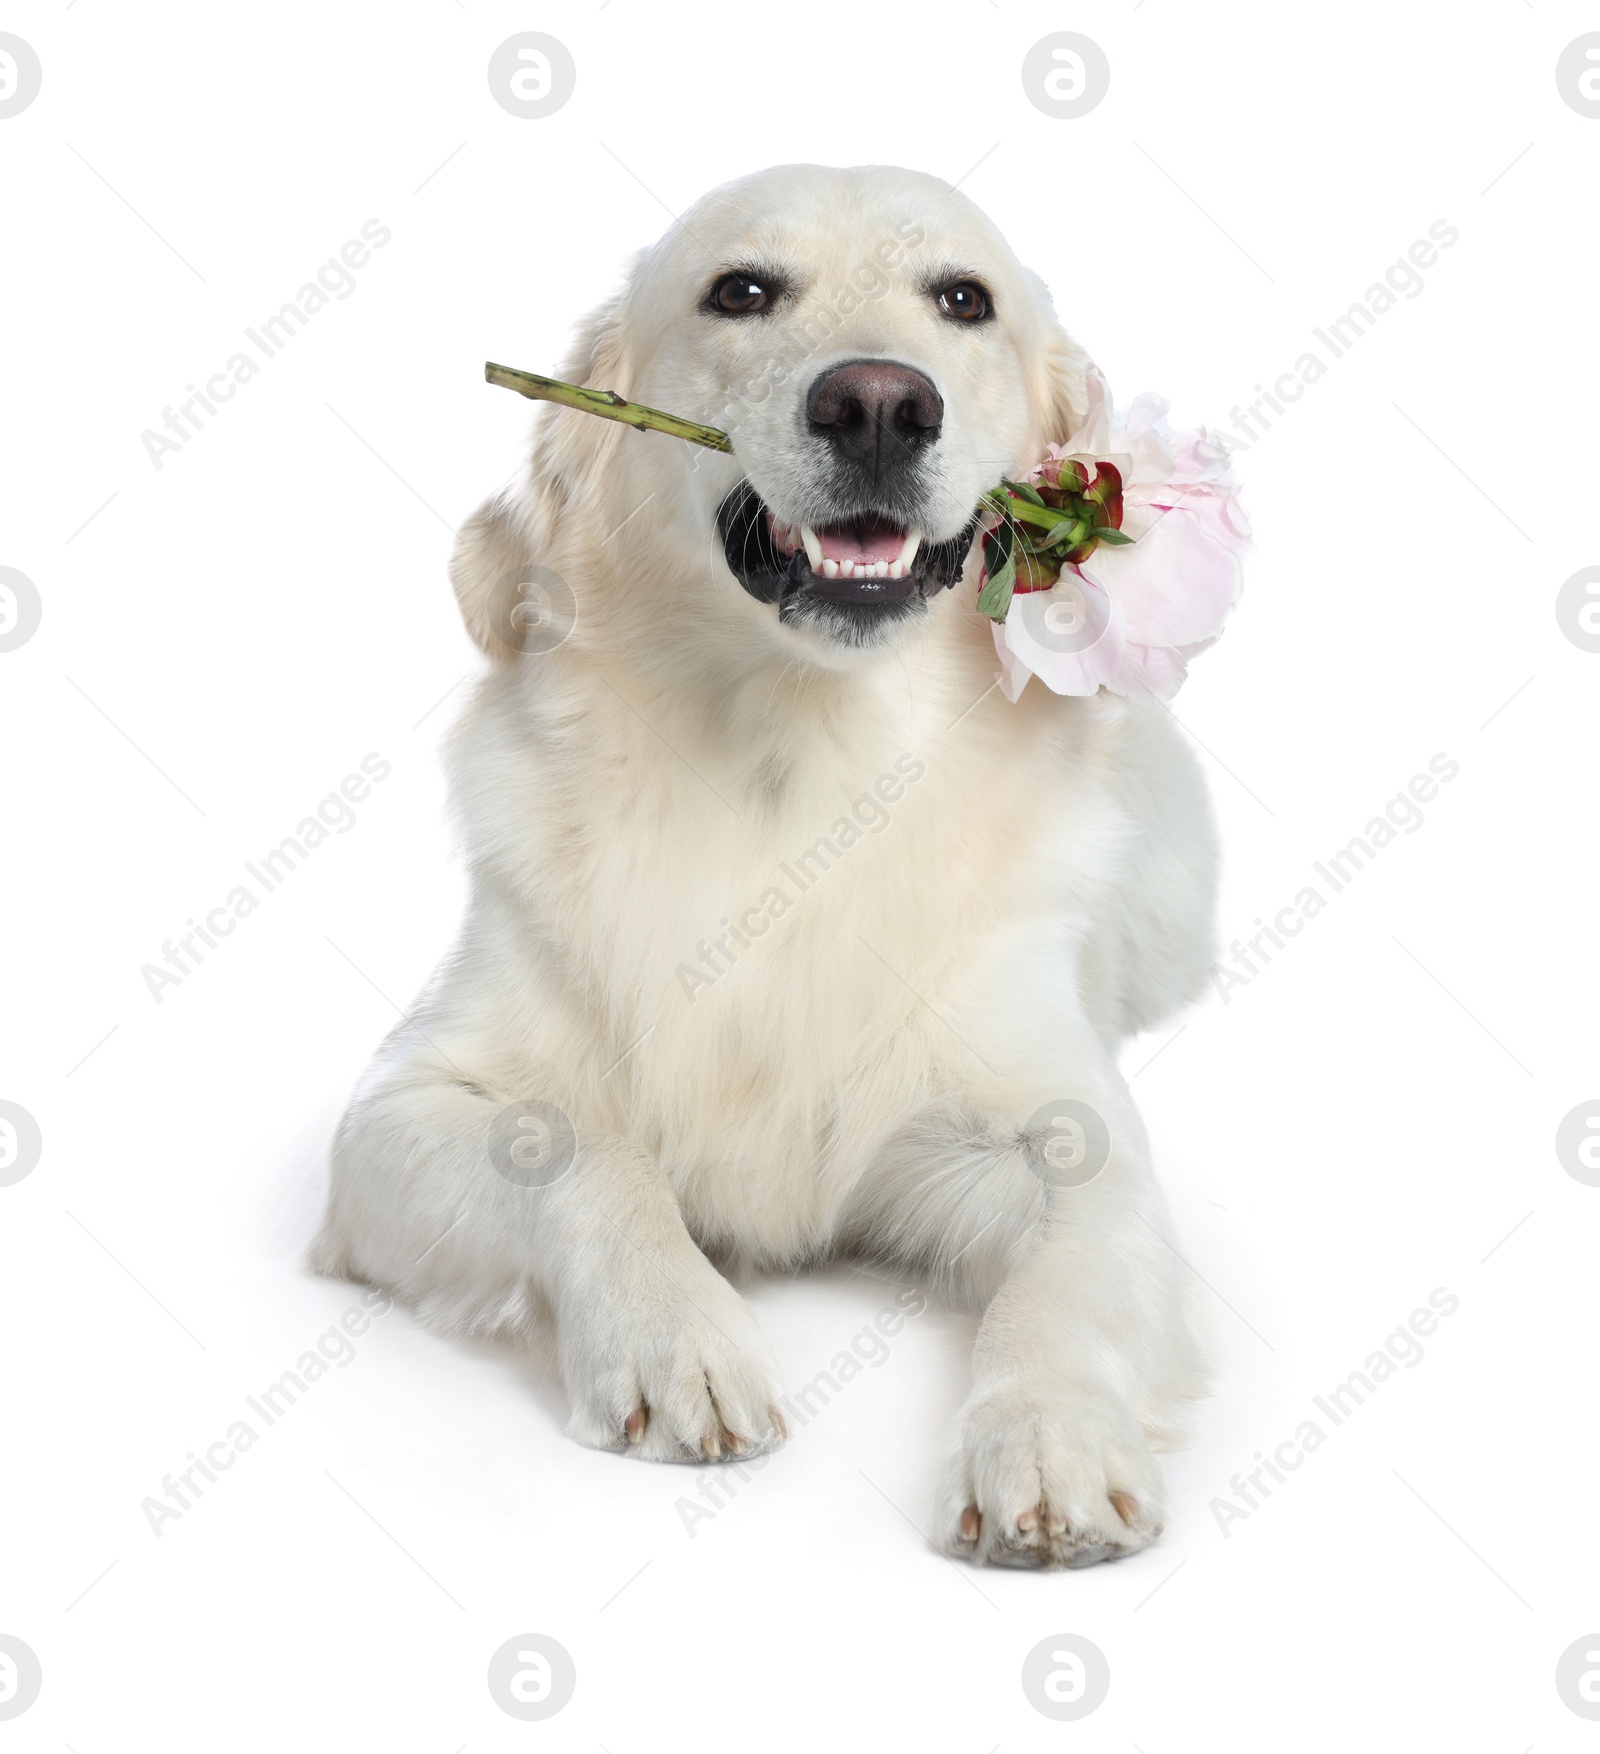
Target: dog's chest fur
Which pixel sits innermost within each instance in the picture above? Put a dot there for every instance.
(758, 954)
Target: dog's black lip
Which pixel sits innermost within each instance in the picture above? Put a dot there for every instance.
(771, 577)
(860, 590)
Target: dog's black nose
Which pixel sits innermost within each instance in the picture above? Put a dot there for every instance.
(876, 412)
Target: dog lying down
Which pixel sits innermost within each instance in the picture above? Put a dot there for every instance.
(790, 936)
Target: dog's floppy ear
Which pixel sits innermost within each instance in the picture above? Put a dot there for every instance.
(494, 556)
(1059, 379)
(503, 546)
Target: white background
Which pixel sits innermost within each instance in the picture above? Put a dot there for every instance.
(224, 638)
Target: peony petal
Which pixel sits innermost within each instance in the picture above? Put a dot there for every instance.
(1071, 637)
(1151, 604)
(1197, 457)
(1157, 670)
(1147, 439)
(1175, 584)
(1014, 673)
(1094, 432)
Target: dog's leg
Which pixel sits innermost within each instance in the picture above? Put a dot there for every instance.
(1084, 1353)
(658, 1352)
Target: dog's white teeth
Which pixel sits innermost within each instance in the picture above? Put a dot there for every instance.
(861, 569)
(898, 568)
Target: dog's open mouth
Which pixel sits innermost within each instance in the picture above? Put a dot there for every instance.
(868, 560)
(864, 568)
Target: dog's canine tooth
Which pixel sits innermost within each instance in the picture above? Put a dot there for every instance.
(850, 569)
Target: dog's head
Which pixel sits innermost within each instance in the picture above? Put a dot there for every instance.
(880, 360)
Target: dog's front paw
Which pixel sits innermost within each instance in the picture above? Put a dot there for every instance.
(676, 1373)
(1063, 1479)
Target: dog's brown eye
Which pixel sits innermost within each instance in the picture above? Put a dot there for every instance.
(737, 295)
(966, 300)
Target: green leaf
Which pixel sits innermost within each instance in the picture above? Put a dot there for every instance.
(1023, 491)
(1114, 537)
(994, 600)
(999, 556)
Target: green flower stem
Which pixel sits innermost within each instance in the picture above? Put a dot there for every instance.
(607, 403)
(1026, 512)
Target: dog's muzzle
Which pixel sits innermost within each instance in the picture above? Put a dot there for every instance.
(860, 563)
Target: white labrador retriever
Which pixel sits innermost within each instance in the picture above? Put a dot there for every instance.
(790, 936)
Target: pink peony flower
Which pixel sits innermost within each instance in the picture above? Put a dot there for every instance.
(1135, 600)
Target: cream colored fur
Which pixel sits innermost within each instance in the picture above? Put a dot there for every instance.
(858, 1079)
